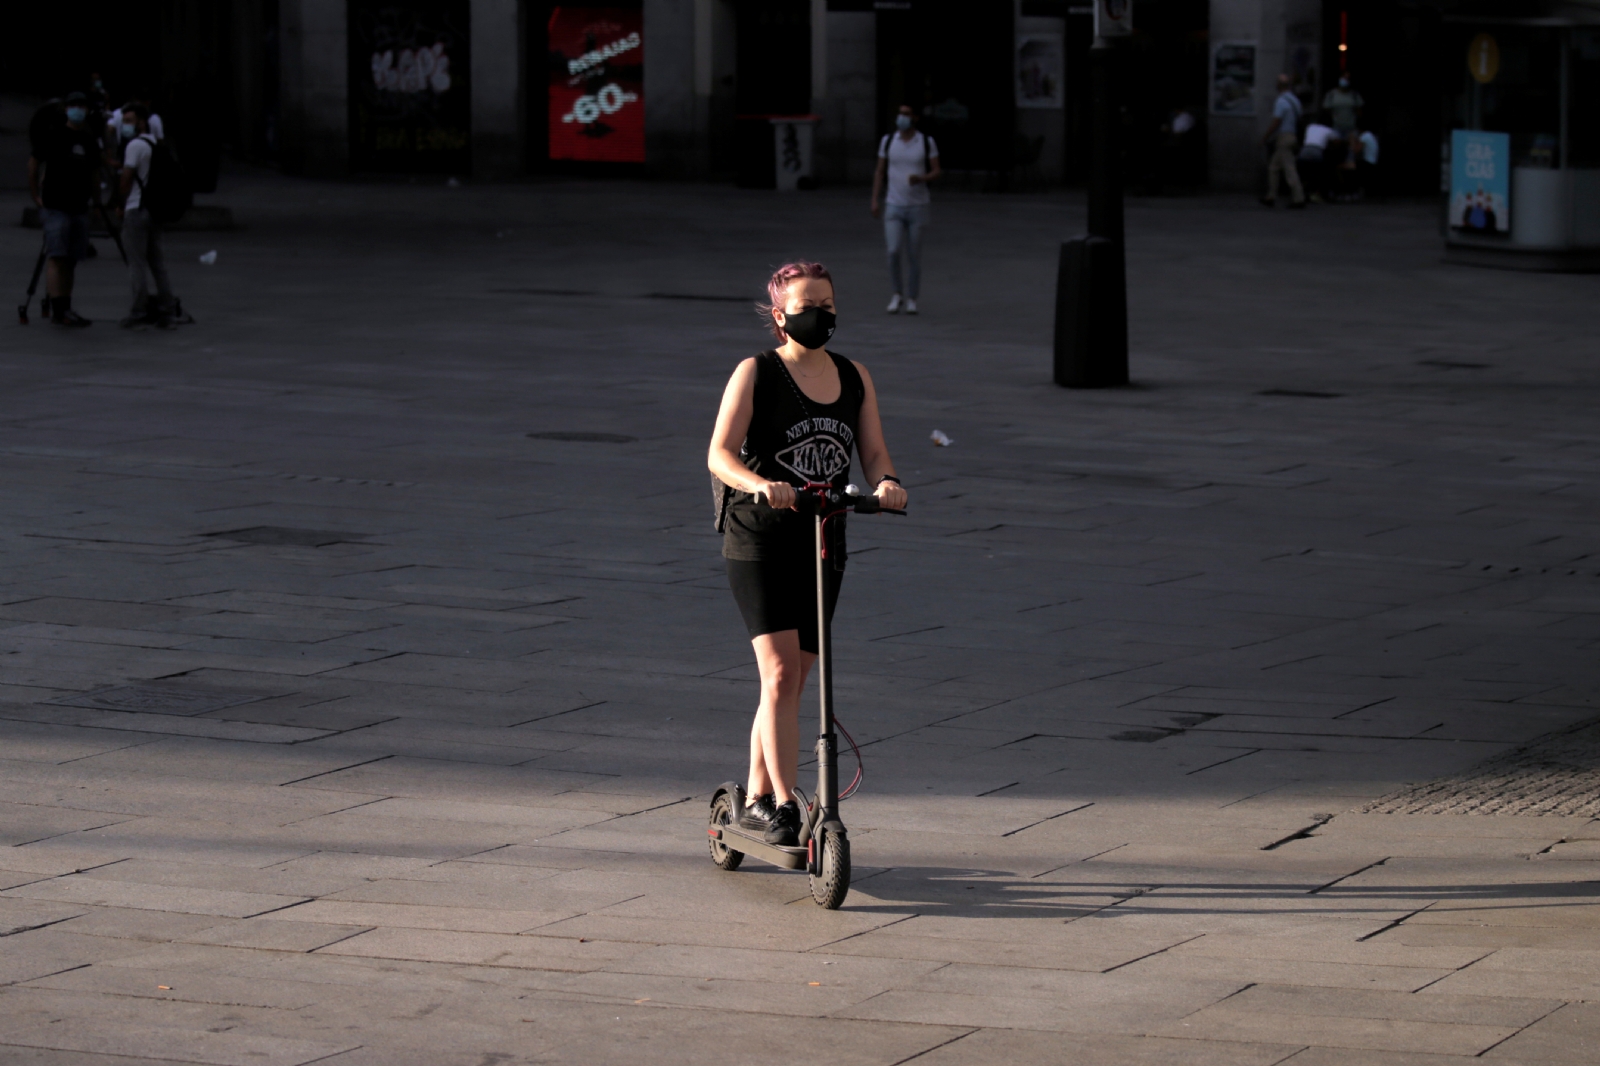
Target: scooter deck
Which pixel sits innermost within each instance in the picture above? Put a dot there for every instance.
(743, 840)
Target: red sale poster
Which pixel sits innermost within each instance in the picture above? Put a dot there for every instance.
(597, 84)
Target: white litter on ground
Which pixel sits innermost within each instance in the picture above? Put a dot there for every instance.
(210, 258)
(940, 440)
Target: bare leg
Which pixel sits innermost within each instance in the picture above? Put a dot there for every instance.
(775, 735)
(58, 275)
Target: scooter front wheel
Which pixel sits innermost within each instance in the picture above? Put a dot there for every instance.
(829, 886)
(722, 815)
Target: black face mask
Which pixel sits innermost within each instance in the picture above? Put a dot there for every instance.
(810, 328)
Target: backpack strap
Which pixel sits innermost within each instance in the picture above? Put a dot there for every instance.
(151, 141)
(724, 495)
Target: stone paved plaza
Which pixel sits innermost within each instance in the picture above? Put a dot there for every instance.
(343, 721)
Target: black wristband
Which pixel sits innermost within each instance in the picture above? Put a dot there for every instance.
(888, 477)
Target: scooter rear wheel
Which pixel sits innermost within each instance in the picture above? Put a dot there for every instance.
(721, 815)
(829, 886)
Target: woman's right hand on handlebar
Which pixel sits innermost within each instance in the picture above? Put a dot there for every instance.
(780, 495)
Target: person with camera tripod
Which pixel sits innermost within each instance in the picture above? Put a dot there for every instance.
(62, 169)
(141, 233)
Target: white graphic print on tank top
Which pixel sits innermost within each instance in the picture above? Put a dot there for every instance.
(821, 456)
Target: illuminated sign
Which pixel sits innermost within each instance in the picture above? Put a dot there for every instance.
(1483, 58)
(597, 84)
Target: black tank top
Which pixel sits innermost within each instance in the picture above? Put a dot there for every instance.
(793, 438)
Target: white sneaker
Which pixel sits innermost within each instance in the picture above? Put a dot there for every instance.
(894, 304)
(911, 307)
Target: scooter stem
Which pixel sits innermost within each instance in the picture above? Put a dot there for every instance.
(827, 774)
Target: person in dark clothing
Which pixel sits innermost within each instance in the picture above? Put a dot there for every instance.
(790, 416)
(62, 169)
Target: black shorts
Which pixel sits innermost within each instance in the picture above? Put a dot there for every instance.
(780, 594)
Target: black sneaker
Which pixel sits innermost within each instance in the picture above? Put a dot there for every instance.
(71, 319)
(785, 828)
(758, 815)
(135, 321)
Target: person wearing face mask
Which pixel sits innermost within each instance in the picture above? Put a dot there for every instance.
(1345, 105)
(62, 167)
(141, 234)
(789, 417)
(907, 162)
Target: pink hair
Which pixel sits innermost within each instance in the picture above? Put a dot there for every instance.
(778, 289)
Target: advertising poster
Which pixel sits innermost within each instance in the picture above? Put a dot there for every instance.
(410, 101)
(1040, 70)
(597, 84)
(1480, 182)
(1233, 78)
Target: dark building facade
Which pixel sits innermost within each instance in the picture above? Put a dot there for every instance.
(691, 87)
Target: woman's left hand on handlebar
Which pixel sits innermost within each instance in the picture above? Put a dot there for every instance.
(891, 495)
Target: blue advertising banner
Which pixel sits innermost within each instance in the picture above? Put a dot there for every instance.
(1480, 181)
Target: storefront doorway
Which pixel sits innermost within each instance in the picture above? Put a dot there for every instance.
(410, 86)
(952, 62)
(1393, 55)
(772, 77)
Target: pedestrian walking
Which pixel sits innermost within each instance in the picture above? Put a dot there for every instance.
(1281, 137)
(907, 161)
(141, 232)
(63, 165)
(1344, 104)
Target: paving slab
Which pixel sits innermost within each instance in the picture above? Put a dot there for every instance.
(1094, 1049)
(169, 1045)
(369, 666)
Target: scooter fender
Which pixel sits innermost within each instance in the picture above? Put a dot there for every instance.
(731, 788)
(813, 844)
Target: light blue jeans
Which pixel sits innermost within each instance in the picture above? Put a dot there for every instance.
(903, 225)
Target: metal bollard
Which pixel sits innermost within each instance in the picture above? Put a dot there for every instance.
(1091, 336)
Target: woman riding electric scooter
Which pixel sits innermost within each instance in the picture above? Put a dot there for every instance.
(789, 418)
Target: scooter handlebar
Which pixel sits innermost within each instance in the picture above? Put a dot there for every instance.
(813, 496)
(870, 505)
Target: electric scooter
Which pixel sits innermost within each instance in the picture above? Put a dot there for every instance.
(823, 850)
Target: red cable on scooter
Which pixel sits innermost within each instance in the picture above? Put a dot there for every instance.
(855, 782)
